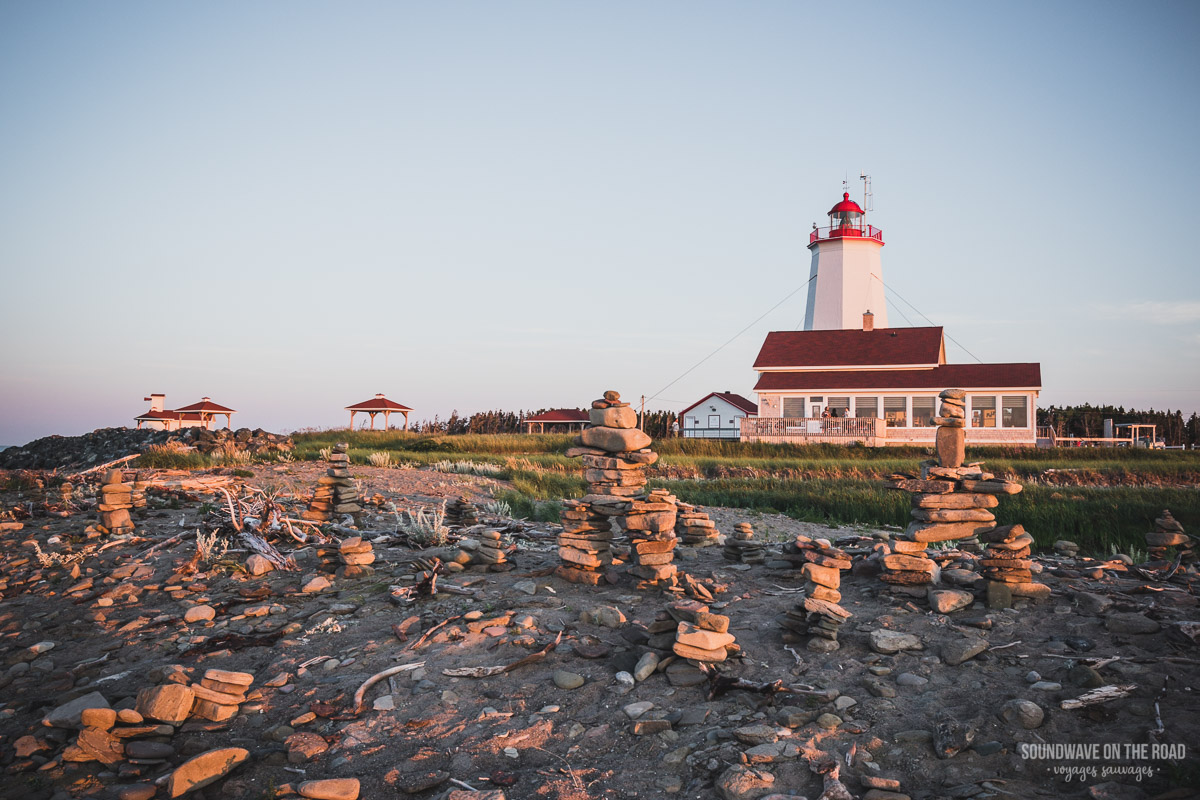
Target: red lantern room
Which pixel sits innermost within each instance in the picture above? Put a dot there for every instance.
(846, 220)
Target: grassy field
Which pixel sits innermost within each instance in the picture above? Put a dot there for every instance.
(1101, 498)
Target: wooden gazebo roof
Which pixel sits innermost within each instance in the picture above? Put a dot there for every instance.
(378, 403)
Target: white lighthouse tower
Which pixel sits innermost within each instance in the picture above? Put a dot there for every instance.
(846, 280)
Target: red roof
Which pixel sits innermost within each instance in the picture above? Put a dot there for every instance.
(560, 415)
(947, 376)
(735, 400)
(846, 205)
(378, 403)
(851, 348)
(207, 406)
(173, 415)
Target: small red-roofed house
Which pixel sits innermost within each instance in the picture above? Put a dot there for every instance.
(558, 420)
(197, 415)
(378, 405)
(718, 415)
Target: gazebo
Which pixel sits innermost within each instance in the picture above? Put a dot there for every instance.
(378, 405)
(207, 409)
(558, 420)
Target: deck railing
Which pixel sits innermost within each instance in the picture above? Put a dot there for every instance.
(865, 232)
(815, 429)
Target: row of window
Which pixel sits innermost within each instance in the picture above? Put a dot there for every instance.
(899, 411)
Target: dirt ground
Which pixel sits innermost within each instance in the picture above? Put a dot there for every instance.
(883, 715)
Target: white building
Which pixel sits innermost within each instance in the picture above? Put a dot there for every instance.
(718, 416)
(843, 379)
(197, 415)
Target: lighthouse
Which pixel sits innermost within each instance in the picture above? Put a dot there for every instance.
(846, 279)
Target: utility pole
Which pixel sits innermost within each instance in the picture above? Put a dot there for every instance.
(642, 424)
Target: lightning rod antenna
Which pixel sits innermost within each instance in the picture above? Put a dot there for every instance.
(868, 196)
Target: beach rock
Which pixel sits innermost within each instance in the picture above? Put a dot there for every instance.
(741, 783)
(956, 651)
(1025, 713)
(615, 440)
(204, 769)
(892, 642)
(330, 789)
(946, 601)
(170, 703)
(567, 680)
(69, 714)
(1131, 624)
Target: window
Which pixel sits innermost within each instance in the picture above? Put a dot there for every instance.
(983, 412)
(793, 406)
(841, 404)
(895, 411)
(924, 409)
(1014, 411)
(866, 406)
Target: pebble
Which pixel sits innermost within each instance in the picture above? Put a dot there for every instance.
(330, 789)
(646, 666)
(891, 642)
(1027, 714)
(1046, 686)
(1032, 677)
(567, 680)
(909, 679)
(829, 721)
(199, 614)
(635, 710)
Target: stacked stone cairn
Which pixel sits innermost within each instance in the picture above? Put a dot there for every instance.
(615, 456)
(219, 694)
(699, 634)
(356, 555)
(335, 492)
(742, 547)
(116, 498)
(1007, 568)
(1169, 533)
(950, 501)
(819, 614)
(491, 552)
(462, 513)
(584, 543)
(693, 528)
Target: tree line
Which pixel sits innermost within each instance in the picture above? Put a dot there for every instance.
(1088, 420)
(656, 423)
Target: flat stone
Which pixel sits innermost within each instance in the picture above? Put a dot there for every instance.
(756, 734)
(330, 789)
(98, 718)
(204, 769)
(892, 642)
(910, 679)
(170, 703)
(740, 783)
(1131, 624)
(646, 666)
(615, 440)
(1025, 713)
(305, 746)
(137, 791)
(257, 565)
(137, 748)
(946, 601)
(635, 710)
(69, 714)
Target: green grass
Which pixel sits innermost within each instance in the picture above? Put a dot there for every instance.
(172, 459)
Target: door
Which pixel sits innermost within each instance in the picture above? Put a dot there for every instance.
(714, 425)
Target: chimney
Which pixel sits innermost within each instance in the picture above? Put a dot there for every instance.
(156, 401)
(868, 321)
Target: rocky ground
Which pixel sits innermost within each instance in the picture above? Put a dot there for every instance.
(915, 703)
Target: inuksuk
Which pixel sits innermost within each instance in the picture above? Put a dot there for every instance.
(615, 456)
(693, 528)
(462, 513)
(1007, 568)
(742, 547)
(1169, 533)
(819, 615)
(116, 498)
(699, 634)
(950, 501)
(335, 492)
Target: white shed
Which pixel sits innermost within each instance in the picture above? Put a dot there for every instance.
(718, 416)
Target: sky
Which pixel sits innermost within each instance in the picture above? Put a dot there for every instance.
(290, 206)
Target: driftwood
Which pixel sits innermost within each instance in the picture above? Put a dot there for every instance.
(424, 636)
(1097, 696)
(719, 684)
(103, 467)
(428, 586)
(376, 678)
(485, 672)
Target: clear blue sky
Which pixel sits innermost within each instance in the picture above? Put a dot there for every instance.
(290, 206)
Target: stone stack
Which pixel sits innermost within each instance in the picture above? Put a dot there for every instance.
(650, 525)
(1169, 533)
(116, 498)
(693, 527)
(138, 496)
(615, 456)
(335, 492)
(356, 556)
(742, 547)
(491, 552)
(461, 513)
(700, 635)
(219, 694)
(584, 544)
(1007, 568)
(65, 493)
(908, 564)
(819, 614)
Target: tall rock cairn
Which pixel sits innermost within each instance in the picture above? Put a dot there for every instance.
(615, 456)
(1167, 534)
(584, 544)
(335, 492)
(819, 615)
(1007, 568)
(950, 502)
(116, 498)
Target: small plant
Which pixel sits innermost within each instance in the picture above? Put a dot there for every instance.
(380, 459)
(427, 529)
(210, 547)
(407, 465)
(325, 453)
(467, 467)
(285, 458)
(498, 508)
